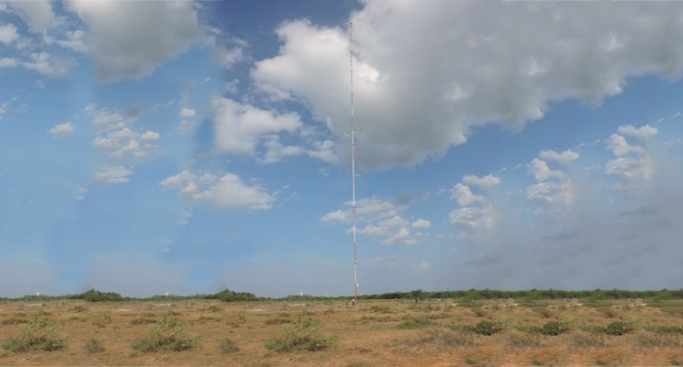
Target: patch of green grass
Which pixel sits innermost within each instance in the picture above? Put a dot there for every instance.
(536, 362)
(600, 362)
(93, 346)
(675, 362)
(470, 361)
(301, 336)
(415, 323)
(37, 336)
(166, 336)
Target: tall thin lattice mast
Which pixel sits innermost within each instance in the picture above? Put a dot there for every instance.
(353, 174)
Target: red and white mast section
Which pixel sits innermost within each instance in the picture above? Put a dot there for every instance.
(353, 173)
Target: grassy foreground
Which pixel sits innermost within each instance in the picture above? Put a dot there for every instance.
(398, 332)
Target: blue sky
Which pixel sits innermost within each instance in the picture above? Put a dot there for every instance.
(185, 147)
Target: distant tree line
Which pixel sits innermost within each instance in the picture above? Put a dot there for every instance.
(531, 295)
(228, 295)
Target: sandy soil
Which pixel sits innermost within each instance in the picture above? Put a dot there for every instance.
(372, 334)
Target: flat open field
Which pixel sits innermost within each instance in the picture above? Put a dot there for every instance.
(376, 333)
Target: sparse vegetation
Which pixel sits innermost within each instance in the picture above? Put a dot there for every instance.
(166, 336)
(446, 338)
(555, 328)
(227, 346)
(302, 335)
(14, 321)
(415, 323)
(381, 332)
(93, 346)
(487, 327)
(277, 321)
(37, 336)
(617, 328)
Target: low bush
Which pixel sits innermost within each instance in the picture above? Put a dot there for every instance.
(93, 346)
(487, 327)
(617, 328)
(37, 336)
(227, 346)
(555, 328)
(302, 335)
(166, 336)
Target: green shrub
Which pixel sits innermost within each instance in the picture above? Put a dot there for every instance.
(619, 328)
(555, 328)
(304, 335)
(166, 336)
(487, 327)
(37, 336)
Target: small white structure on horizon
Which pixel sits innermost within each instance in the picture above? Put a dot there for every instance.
(37, 294)
(301, 294)
(166, 294)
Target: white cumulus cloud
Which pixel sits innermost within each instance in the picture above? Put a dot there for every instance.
(229, 191)
(415, 99)
(62, 129)
(126, 44)
(8, 33)
(113, 174)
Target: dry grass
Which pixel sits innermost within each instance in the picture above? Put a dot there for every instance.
(376, 333)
